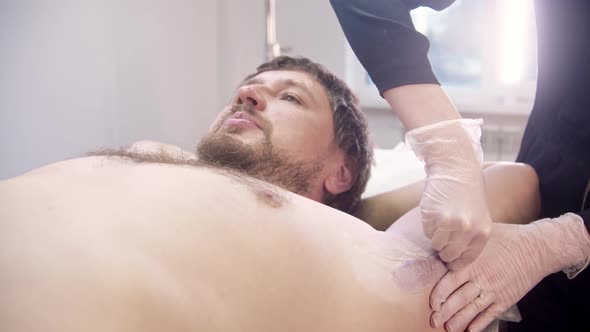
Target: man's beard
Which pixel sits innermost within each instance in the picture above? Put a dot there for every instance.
(263, 161)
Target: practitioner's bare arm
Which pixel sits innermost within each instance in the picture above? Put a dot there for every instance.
(514, 193)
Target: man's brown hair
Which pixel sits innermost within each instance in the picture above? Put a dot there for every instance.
(350, 125)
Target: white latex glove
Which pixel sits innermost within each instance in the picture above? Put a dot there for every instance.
(516, 258)
(454, 207)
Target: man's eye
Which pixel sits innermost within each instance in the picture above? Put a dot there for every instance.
(291, 98)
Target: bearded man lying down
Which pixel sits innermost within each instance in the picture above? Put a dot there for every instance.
(251, 235)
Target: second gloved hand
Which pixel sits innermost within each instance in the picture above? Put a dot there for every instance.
(516, 258)
(455, 213)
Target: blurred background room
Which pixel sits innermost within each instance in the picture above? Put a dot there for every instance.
(76, 75)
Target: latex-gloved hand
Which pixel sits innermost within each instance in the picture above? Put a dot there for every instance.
(516, 258)
(455, 213)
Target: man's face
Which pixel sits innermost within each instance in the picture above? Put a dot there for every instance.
(281, 116)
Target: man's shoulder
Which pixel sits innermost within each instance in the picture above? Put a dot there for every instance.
(149, 146)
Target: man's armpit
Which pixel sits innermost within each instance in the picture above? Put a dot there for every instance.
(417, 274)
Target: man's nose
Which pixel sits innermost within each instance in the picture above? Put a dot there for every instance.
(251, 97)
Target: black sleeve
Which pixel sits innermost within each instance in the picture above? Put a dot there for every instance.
(434, 4)
(383, 37)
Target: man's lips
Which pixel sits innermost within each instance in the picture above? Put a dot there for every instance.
(242, 119)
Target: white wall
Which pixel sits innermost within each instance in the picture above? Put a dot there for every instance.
(56, 82)
(242, 32)
(80, 75)
(310, 28)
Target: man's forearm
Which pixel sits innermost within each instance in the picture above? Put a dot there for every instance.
(512, 190)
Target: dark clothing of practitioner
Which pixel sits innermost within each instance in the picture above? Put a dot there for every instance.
(376, 30)
(557, 138)
(557, 144)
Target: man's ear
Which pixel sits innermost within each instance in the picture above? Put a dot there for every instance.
(340, 180)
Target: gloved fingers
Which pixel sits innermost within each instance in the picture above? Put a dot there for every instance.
(440, 239)
(448, 230)
(461, 319)
(467, 257)
(458, 239)
(429, 223)
(452, 251)
(457, 301)
(450, 282)
(485, 318)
